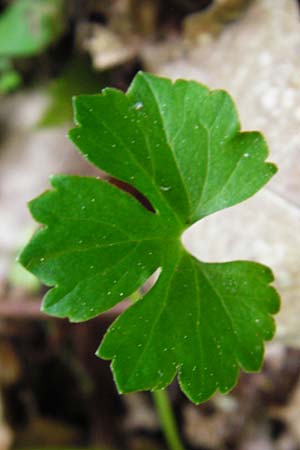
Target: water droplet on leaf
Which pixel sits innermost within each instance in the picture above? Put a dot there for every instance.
(138, 105)
(165, 188)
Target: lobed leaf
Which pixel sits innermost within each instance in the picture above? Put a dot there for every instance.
(180, 145)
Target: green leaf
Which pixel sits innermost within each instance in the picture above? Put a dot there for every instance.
(9, 81)
(180, 145)
(77, 77)
(27, 27)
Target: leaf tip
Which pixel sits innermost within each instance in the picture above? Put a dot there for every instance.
(272, 167)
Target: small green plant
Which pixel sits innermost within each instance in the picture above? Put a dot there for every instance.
(180, 145)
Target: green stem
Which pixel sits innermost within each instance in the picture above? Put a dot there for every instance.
(167, 420)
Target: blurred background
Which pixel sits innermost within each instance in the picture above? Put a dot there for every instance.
(54, 393)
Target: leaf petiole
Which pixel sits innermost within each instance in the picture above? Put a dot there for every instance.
(167, 419)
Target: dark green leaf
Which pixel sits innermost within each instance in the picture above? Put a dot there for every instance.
(180, 146)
